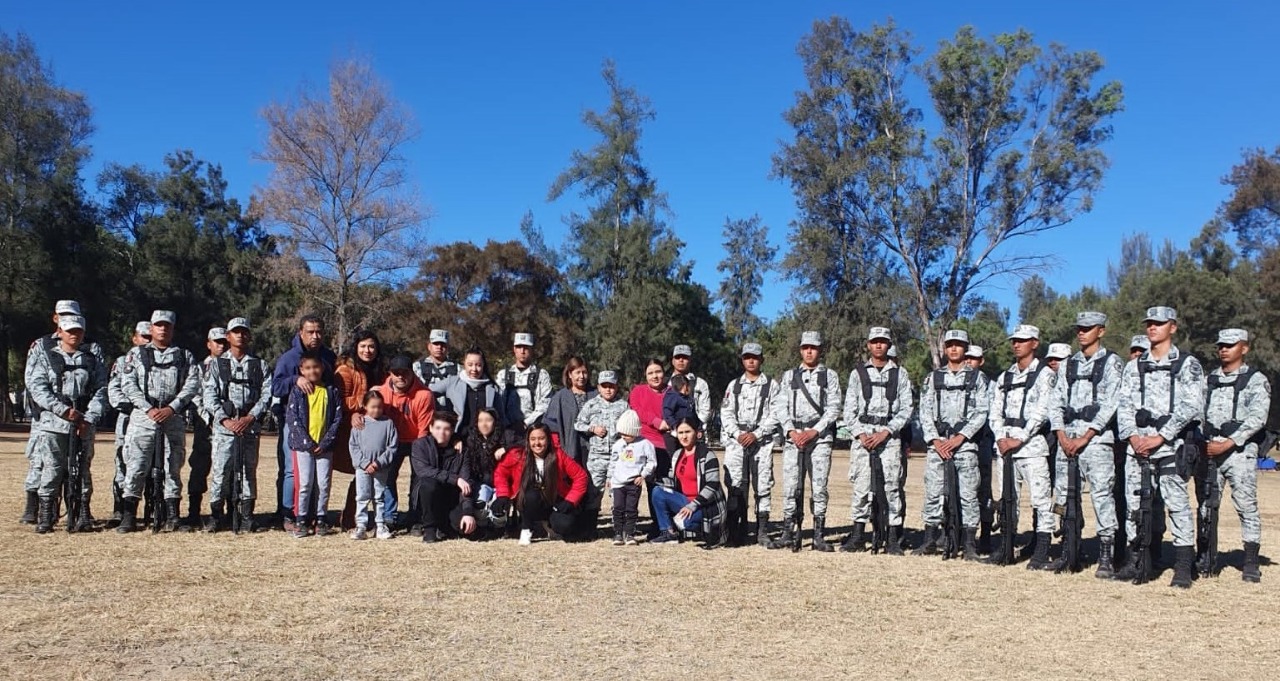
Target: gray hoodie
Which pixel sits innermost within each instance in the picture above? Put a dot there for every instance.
(375, 443)
(631, 460)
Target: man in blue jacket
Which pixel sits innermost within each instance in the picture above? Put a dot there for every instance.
(308, 342)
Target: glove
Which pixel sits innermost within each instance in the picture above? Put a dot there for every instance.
(563, 506)
(500, 506)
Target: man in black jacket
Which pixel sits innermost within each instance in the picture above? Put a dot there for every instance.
(441, 474)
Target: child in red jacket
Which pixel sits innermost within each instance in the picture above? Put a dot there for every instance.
(547, 485)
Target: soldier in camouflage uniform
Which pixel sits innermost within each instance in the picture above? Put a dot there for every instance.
(525, 387)
(877, 406)
(201, 460)
(69, 385)
(748, 429)
(160, 380)
(807, 408)
(1087, 394)
(1019, 421)
(236, 393)
(1238, 404)
(681, 358)
(598, 422)
(953, 414)
(975, 358)
(436, 366)
(1137, 346)
(1161, 402)
(118, 402)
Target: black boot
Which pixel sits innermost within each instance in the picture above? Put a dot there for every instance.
(193, 512)
(117, 505)
(247, 525)
(214, 522)
(788, 536)
(29, 515)
(1251, 572)
(970, 543)
(171, 523)
(1129, 572)
(128, 515)
(856, 542)
(894, 546)
(46, 513)
(743, 536)
(1183, 557)
(930, 545)
(1105, 568)
(1040, 557)
(819, 541)
(732, 521)
(762, 529)
(84, 523)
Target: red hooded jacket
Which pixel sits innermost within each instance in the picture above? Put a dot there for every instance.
(573, 477)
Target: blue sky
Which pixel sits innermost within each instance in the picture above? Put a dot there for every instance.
(498, 89)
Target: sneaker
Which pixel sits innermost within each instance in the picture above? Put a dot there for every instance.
(526, 537)
(669, 537)
(323, 529)
(631, 541)
(617, 540)
(299, 531)
(359, 533)
(384, 532)
(289, 525)
(430, 535)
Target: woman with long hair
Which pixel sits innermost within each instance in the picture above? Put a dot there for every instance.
(360, 368)
(692, 496)
(547, 486)
(646, 400)
(471, 392)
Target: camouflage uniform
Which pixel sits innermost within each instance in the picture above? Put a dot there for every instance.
(160, 387)
(1020, 404)
(34, 474)
(1076, 410)
(746, 409)
(234, 388)
(527, 390)
(597, 412)
(81, 383)
(866, 417)
(794, 411)
(953, 402)
(1247, 417)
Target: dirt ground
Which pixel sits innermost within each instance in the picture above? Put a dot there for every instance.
(268, 606)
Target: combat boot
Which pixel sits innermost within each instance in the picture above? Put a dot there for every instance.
(970, 543)
(171, 517)
(1251, 572)
(894, 546)
(247, 525)
(117, 505)
(762, 529)
(820, 542)
(1040, 557)
(930, 545)
(128, 516)
(856, 542)
(1183, 557)
(1129, 572)
(1105, 569)
(216, 518)
(788, 536)
(45, 514)
(84, 523)
(193, 513)
(33, 504)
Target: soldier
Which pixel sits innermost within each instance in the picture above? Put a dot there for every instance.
(123, 407)
(69, 385)
(748, 431)
(1137, 346)
(877, 406)
(806, 407)
(1238, 404)
(47, 343)
(953, 414)
(201, 458)
(525, 386)
(1161, 401)
(1087, 393)
(975, 359)
(1054, 356)
(160, 380)
(681, 357)
(436, 366)
(237, 392)
(1019, 421)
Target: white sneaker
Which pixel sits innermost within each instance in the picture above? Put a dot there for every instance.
(359, 533)
(383, 532)
(526, 537)
(679, 523)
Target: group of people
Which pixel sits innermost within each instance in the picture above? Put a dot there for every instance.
(492, 452)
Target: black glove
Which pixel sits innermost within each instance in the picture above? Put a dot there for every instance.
(500, 506)
(563, 506)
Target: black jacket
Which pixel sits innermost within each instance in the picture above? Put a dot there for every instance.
(441, 464)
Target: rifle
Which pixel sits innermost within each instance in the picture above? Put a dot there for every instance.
(1121, 455)
(803, 463)
(155, 484)
(1143, 518)
(73, 482)
(1071, 518)
(237, 482)
(1008, 513)
(879, 505)
(1208, 525)
(952, 545)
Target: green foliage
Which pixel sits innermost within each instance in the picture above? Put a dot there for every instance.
(748, 257)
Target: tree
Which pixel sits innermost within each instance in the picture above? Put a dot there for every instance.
(43, 132)
(748, 257)
(1016, 152)
(340, 193)
(1253, 210)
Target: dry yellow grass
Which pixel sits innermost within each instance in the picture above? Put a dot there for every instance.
(267, 606)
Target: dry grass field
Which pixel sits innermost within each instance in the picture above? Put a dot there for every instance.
(106, 606)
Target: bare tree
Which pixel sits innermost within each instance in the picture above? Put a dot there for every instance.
(348, 214)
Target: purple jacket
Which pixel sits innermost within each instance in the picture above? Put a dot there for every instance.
(298, 416)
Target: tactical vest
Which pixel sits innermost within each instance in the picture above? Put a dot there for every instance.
(1143, 418)
(255, 371)
(939, 386)
(1230, 427)
(60, 370)
(147, 356)
(1071, 414)
(760, 404)
(797, 386)
(890, 385)
(531, 383)
(1026, 384)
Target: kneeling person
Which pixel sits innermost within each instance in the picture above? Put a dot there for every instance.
(547, 485)
(442, 486)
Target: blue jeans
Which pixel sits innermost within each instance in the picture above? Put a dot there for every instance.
(390, 494)
(667, 504)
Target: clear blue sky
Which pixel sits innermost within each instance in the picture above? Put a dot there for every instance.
(499, 87)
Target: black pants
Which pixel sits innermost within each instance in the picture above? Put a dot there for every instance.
(626, 509)
(200, 462)
(535, 510)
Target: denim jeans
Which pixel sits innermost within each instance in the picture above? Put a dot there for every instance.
(667, 504)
